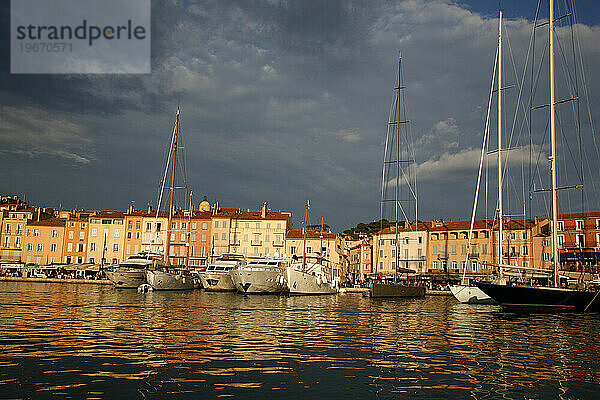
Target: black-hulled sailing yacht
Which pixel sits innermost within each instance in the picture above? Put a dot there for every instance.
(546, 298)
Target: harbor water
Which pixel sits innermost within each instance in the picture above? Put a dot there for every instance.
(94, 341)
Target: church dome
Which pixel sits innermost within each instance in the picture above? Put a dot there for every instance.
(205, 205)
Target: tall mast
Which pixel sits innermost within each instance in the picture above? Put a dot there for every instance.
(397, 164)
(168, 241)
(189, 227)
(500, 170)
(305, 230)
(553, 145)
(321, 241)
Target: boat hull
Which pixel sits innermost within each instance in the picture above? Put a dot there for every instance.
(388, 290)
(249, 281)
(470, 295)
(527, 298)
(161, 280)
(217, 282)
(304, 283)
(128, 279)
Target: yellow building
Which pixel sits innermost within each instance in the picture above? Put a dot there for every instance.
(448, 255)
(256, 234)
(106, 237)
(14, 220)
(412, 249)
(76, 237)
(43, 241)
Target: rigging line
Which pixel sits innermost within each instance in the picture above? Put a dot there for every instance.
(519, 102)
(587, 98)
(577, 106)
(165, 175)
(481, 160)
(531, 91)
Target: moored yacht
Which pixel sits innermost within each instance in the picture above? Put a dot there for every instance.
(132, 272)
(217, 276)
(310, 276)
(260, 277)
(169, 278)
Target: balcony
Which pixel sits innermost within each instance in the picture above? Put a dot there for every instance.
(473, 255)
(442, 256)
(277, 244)
(511, 255)
(256, 243)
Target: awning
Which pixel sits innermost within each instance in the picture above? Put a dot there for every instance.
(582, 256)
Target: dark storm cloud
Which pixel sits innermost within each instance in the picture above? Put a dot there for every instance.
(281, 102)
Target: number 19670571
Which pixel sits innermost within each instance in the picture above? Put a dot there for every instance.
(46, 47)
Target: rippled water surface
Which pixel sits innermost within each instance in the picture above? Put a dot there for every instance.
(88, 341)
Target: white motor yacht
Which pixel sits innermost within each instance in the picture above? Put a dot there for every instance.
(260, 277)
(217, 276)
(132, 272)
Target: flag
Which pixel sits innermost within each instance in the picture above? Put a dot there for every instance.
(308, 204)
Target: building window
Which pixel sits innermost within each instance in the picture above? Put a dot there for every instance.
(69, 246)
(148, 226)
(36, 232)
(115, 247)
(40, 247)
(308, 250)
(223, 236)
(546, 256)
(53, 247)
(29, 246)
(7, 228)
(454, 265)
(173, 225)
(17, 242)
(130, 224)
(580, 240)
(434, 265)
(128, 235)
(434, 249)
(293, 250)
(525, 250)
(92, 247)
(580, 225)
(116, 233)
(474, 266)
(484, 248)
(453, 249)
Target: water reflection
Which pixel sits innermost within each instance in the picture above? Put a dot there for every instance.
(98, 342)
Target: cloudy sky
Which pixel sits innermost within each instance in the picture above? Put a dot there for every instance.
(281, 102)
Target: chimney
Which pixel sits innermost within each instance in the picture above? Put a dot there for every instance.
(149, 208)
(39, 212)
(130, 209)
(263, 214)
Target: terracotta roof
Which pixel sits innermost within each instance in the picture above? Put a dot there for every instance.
(482, 224)
(579, 215)
(48, 222)
(299, 234)
(257, 215)
(110, 214)
(422, 226)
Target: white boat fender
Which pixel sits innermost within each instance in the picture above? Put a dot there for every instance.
(319, 281)
(178, 277)
(183, 280)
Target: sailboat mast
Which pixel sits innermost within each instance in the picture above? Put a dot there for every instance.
(168, 241)
(305, 230)
(500, 170)
(553, 145)
(397, 164)
(188, 233)
(321, 241)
